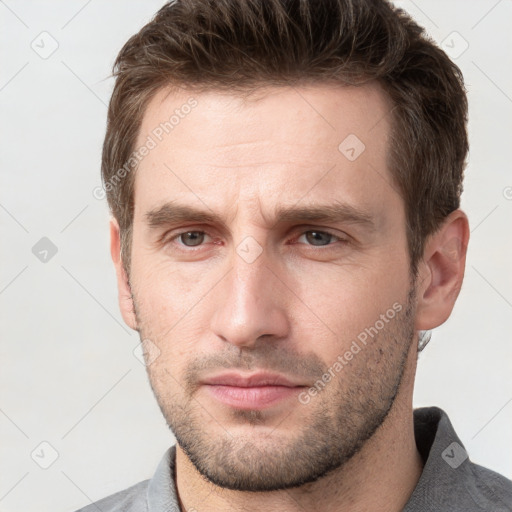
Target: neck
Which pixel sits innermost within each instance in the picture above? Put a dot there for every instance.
(381, 477)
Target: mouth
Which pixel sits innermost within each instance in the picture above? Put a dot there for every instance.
(251, 392)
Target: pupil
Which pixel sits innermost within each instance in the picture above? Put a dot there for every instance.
(316, 236)
(193, 236)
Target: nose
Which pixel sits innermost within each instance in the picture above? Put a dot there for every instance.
(251, 304)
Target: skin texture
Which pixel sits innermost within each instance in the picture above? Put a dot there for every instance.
(249, 292)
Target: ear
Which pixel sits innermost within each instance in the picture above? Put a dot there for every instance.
(441, 271)
(123, 285)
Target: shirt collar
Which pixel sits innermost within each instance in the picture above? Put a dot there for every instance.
(161, 494)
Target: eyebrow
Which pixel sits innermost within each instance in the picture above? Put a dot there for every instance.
(172, 213)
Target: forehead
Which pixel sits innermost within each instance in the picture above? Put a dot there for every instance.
(269, 112)
(274, 146)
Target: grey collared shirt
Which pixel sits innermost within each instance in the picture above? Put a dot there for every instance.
(449, 481)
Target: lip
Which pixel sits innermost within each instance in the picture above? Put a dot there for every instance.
(254, 380)
(251, 392)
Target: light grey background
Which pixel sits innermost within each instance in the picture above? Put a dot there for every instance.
(69, 375)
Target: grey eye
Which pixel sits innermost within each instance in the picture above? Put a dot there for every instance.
(318, 238)
(192, 238)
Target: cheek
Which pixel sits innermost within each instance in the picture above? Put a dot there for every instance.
(177, 342)
(167, 292)
(345, 301)
(171, 312)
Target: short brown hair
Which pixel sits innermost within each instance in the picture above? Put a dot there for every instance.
(241, 45)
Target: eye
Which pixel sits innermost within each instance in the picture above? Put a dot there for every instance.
(318, 238)
(190, 238)
(312, 237)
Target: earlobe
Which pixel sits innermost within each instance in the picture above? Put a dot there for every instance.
(442, 271)
(123, 286)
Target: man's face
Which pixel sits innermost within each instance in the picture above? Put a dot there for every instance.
(316, 310)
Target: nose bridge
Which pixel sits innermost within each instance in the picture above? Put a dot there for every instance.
(250, 304)
(250, 275)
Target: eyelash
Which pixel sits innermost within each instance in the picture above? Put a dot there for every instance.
(168, 240)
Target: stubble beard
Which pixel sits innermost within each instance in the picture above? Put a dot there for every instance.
(339, 420)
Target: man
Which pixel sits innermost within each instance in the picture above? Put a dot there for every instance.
(285, 181)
